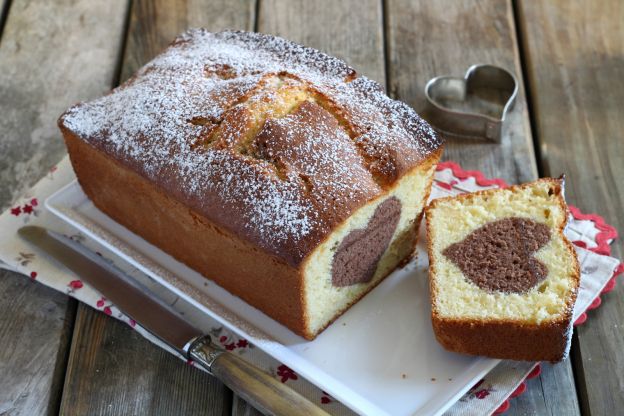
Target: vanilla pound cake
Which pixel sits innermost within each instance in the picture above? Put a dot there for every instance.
(273, 169)
(503, 277)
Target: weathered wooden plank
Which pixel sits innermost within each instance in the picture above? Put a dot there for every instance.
(427, 39)
(35, 328)
(47, 56)
(351, 30)
(139, 377)
(544, 391)
(52, 54)
(575, 66)
(154, 24)
(114, 371)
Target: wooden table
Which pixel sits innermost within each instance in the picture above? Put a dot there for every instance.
(57, 355)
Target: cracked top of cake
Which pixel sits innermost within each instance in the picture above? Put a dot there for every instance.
(276, 142)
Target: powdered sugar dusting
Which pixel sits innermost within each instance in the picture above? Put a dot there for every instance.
(311, 143)
(148, 124)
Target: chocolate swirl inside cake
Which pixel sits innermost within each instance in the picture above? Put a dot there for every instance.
(499, 256)
(359, 252)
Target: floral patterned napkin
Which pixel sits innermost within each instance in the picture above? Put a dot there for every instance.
(588, 232)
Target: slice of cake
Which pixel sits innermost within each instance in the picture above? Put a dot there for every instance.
(503, 277)
(271, 168)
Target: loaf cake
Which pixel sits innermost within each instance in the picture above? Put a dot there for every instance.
(503, 277)
(271, 168)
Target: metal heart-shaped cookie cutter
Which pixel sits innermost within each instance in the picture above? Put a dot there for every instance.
(473, 107)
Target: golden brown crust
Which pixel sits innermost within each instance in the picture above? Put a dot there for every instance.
(219, 122)
(505, 338)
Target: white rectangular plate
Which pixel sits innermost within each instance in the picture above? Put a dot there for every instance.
(380, 357)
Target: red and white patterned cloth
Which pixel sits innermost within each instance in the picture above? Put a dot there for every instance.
(590, 234)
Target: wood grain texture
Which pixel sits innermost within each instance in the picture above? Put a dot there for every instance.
(35, 329)
(154, 24)
(548, 394)
(52, 54)
(115, 371)
(575, 66)
(168, 386)
(47, 51)
(348, 29)
(426, 39)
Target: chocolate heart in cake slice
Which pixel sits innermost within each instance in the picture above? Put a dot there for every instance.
(503, 277)
(499, 255)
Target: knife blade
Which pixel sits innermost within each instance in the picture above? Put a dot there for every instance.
(140, 303)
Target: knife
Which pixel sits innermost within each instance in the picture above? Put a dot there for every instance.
(137, 301)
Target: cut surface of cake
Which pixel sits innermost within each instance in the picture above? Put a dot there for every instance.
(503, 277)
(271, 168)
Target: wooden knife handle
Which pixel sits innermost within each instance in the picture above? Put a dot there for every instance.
(262, 391)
